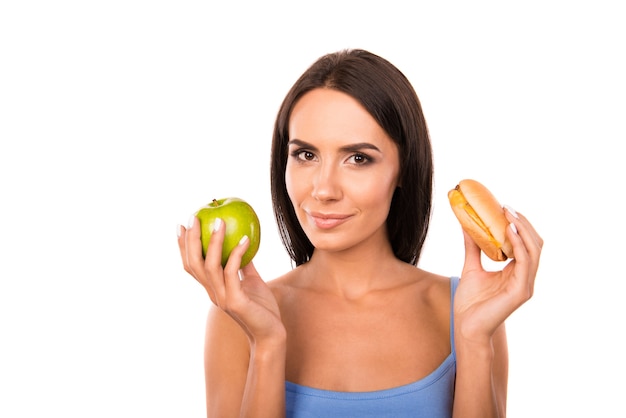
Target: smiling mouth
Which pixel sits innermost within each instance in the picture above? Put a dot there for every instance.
(323, 221)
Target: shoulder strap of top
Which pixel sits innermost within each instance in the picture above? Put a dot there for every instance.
(454, 282)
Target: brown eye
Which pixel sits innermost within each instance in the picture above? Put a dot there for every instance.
(359, 159)
(305, 155)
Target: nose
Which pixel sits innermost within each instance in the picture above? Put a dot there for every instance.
(326, 183)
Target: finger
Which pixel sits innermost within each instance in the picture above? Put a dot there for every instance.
(524, 226)
(249, 270)
(216, 242)
(193, 248)
(250, 276)
(472, 254)
(181, 232)
(520, 253)
(231, 271)
(530, 242)
(524, 269)
(191, 252)
(213, 261)
(525, 253)
(533, 243)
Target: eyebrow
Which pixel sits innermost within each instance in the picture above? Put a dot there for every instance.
(359, 146)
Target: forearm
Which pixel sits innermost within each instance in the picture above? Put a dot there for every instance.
(482, 373)
(264, 395)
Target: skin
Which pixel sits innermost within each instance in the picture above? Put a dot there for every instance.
(313, 325)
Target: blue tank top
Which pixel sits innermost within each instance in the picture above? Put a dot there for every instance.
(431, 396)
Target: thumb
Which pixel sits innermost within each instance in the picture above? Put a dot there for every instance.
(472, 254)
(249, 271)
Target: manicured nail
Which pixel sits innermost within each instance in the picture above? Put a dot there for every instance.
(512, 211)
(192, 219)
(179, 230)
(216, 224)
(243, 240)
(513, 227)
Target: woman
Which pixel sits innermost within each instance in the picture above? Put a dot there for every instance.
(356, 329)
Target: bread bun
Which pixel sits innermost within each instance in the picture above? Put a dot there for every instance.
(482, 217)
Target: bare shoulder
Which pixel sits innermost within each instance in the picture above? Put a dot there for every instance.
(431, 285)
(285, 285)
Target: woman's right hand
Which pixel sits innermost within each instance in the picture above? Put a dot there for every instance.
(242, 294)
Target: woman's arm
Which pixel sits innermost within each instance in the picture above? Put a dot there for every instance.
(241, 379)
(482, 377)
(245, 337)
(483, 301)
(264, 395)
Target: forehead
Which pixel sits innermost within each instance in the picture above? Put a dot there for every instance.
(327, 114)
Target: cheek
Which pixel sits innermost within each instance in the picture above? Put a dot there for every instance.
(378, 191)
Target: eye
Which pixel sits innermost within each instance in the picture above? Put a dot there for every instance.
(307, 155)
(359, 159)
(303, 155)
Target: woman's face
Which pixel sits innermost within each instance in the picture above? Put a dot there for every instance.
(341, 172)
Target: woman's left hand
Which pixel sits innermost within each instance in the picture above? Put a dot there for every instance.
(484, 299)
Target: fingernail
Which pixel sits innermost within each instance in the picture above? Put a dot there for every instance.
(243, 240)
(510, 209)
(216, 224)
(513, 227)
(192, 219)
(179, 230)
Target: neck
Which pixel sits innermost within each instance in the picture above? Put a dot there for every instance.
(354, 273)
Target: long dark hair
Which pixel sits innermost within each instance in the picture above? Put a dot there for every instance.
(389, 97)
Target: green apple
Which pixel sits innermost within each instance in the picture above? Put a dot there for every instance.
(239, 218)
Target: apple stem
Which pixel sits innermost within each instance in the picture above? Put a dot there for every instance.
(214, 203)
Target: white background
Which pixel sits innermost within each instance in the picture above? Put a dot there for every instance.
(118, 119)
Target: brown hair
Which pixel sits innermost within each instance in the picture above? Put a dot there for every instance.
(389, 97)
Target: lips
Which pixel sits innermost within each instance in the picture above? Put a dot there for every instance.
(327, 220)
